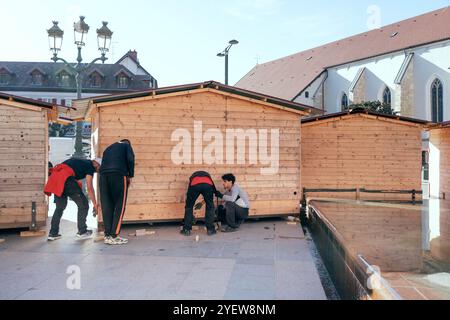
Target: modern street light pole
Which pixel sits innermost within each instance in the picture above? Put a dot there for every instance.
(225, 53)
(81, 28)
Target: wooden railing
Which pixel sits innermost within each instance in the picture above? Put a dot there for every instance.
(359, 191)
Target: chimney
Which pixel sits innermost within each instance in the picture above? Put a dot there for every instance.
(133, 54)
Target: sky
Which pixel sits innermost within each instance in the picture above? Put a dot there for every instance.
(178, 40)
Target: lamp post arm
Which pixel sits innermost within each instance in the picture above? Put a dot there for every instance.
(67, 64)
(102, 58)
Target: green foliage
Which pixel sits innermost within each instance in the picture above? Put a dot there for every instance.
(375, 106)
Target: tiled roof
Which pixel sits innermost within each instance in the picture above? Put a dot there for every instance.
(21, 79)
(289, 76)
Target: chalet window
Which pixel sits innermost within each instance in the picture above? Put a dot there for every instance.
(64, 79)
(96, 80)
(123, 81)
(387, 98)
(4, 77)
(306, 94)
(437, 101)
(344, 102)
(36, 78)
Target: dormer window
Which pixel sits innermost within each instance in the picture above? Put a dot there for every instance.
(123, 81)
(37, 78)
(5, 76)
(64, 79)
(96, 80)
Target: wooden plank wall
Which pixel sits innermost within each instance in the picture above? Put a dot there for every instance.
(23, 165)
(359, 151)
(440, 247)
(158, 190)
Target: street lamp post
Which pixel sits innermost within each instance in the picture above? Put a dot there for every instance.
(81, 29)
(225, 54)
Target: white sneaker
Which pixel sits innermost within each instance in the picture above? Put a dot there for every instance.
(117, 241)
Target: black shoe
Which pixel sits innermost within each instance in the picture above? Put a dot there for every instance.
(186, 232)
(212, 232)
(54, 237)
(229, 229)
(87, 235)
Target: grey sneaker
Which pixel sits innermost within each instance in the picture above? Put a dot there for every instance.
(87, 235)
(54, 238)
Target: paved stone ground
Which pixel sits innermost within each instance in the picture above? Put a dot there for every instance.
(264, 260)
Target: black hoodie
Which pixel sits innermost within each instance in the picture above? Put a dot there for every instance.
(118, 158)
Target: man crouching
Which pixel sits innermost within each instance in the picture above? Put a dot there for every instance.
(237, 205)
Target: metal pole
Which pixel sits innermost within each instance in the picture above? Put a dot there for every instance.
(226, 68)
(79, 131)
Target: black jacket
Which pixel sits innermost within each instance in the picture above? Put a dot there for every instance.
(202, 174)
(118, 158)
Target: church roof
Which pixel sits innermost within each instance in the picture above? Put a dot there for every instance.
(287, 77)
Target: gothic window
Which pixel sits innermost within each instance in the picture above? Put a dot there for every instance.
(437, 101)
(344, 101)
(387, 98)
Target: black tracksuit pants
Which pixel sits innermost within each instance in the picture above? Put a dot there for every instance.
(207, 191)
(234, 214)
(73, 191)
(113, 198)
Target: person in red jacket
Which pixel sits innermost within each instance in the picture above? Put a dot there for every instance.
(64, 182)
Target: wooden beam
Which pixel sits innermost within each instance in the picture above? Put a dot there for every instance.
(31, 234)
(361, 115)
(16, 104)
(197, 91)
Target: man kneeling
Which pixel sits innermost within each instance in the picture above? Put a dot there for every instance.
(237, 205)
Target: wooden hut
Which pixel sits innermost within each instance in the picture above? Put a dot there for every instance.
(178, 130)
(362, 150)
(439, 207)
(23, 160)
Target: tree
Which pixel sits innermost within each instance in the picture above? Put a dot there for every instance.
(58, 130)
(375, 106)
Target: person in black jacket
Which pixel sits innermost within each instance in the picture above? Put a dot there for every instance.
(116, 173)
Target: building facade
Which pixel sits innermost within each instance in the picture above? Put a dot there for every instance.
(406, 65)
